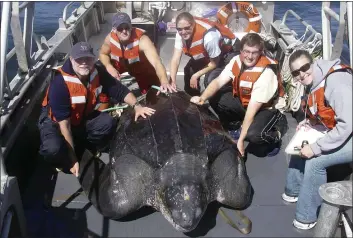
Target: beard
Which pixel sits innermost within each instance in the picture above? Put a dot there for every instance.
(83, 71)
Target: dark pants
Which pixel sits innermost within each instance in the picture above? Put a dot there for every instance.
(226, 58)
(190, 68)
(263, 129)
(193, 66)
(94, 133)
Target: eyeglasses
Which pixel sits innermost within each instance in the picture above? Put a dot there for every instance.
(303, 69)
(187, 28)
(246, 52)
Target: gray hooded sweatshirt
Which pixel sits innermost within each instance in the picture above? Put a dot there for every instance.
(338, 94)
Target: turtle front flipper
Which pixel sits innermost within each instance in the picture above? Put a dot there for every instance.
(231, 184)
(117, 189)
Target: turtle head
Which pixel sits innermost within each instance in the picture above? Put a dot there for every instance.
(186, 204)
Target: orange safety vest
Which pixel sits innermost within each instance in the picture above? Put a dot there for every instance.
(196, 49)
(83, 100)
(129, 59)
(244, 81)
(317, 107)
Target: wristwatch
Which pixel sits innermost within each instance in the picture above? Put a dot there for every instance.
(136, 104)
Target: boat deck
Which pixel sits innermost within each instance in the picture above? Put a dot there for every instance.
(55, 207)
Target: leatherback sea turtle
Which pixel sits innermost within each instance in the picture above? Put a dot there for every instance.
(177, 161)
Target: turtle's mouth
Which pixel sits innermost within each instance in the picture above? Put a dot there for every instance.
(175, 222)
(167, 213)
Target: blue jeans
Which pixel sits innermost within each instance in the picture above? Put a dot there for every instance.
(304, 177)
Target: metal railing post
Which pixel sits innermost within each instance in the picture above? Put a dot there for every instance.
(18, 38)
(338, 44)
(350, 31)
(326, 32)
(28, 31)
(3, 172)
(5, 19)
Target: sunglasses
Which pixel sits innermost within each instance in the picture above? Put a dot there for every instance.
(184, 28)
(121, 28)
(303, 69)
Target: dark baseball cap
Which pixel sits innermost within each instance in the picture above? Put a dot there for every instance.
(82, 49)
(121, 18)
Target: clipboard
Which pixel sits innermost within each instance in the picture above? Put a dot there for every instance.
(305, 135)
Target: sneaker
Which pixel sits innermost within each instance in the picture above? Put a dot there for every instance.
(235, 134)
(303, 226)
(290, 199)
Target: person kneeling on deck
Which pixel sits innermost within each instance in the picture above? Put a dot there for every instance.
(128, 49)
(204, 42)
(252, 104)
(327, 102)
(71, 109)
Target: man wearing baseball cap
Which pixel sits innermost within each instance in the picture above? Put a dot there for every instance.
(71, 117)
(129, 49)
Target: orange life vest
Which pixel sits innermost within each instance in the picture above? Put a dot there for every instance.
(196, 49)
(83, 100)
(244, 81)
(317, 107)
(129, 59)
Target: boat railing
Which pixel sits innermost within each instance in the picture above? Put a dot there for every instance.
(15, 90)
(66, 9)
(309, 28)
(77, 27)
(19, 94)
(332, 51)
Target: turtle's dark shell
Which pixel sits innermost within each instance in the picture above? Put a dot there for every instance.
(178, 161)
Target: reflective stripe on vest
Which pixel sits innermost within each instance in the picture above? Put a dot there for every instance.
(71, 79)
(132, 45)
(133, 60)
(114, 57)
(114, 42)
(204, 24)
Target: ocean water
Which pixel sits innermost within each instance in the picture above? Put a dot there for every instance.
(48, 13)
